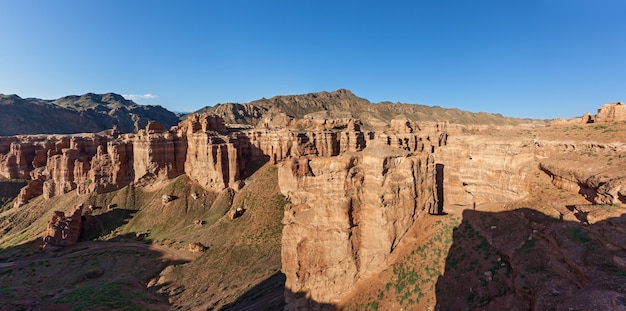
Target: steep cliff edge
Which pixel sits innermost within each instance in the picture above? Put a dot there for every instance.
(577, 169)
(347, 214)
(549, 205)
(480, 169)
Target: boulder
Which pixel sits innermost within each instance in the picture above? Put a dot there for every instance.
(237, 213)
(166, 198)
(196, 247)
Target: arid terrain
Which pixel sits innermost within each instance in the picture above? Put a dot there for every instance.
(87, 113)
(318, 202)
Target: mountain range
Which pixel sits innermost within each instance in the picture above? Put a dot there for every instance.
(98, 112)
(77, 114)
(343, 103)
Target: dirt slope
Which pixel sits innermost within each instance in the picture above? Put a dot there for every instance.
(116, 269)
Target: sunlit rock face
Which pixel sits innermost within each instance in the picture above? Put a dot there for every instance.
(482, 169)
(348, 213)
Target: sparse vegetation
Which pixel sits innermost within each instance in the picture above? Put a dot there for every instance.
(575, 233)
(529, 244)
(109, 295)
(416, 274)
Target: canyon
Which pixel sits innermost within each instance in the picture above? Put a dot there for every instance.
(357, 191)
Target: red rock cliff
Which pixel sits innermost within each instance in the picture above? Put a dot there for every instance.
(350, 211)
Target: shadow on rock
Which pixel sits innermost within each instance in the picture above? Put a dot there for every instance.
(267, 295)
(102, 224)
(85, 276)
(270, 295)
(526, 260)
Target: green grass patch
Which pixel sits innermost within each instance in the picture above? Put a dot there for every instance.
(528, 246)
(104, 296)
(577, 235)
(6, 291)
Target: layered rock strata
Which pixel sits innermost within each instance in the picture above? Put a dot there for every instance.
(202, 147)
(481, 169)
(349, 212)
(598, 182)
(614, 112)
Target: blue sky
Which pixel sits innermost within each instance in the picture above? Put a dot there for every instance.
(524, 58)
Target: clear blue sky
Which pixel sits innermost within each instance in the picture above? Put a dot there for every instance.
(524, 58)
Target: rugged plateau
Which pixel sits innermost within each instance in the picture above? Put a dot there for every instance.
(320, 201)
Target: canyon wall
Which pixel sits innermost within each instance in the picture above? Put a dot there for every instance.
(478, 168)
(348, 212)
(358, 190)
(202, 147)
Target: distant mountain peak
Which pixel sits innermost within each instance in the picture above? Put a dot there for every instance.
(340, 93)
(89, 112)
(343, 92)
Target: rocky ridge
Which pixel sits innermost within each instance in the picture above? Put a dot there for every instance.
(343, 103)
(88, 113)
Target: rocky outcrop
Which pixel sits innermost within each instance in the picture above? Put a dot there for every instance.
(63, 230)
(156, 155)
(574, 166)
(211, 157)
(597, 184)
(203, 147)
(614, 112)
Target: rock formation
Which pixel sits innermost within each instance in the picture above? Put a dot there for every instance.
(480, 169)
(597, 182)
(614, 112)
(63, 230)
(355, 187)
(348, 213)
(215, 156)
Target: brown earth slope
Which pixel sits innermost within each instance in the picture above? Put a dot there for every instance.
(139, 254)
